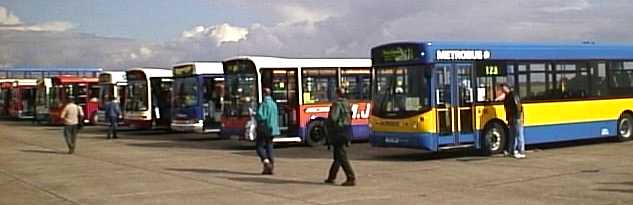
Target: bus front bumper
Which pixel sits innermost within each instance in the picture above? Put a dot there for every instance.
(187, 126)
(425, 141)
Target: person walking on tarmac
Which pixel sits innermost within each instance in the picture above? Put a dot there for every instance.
(72, 115)
(514, 115)
(267, 128)
(112, 115)
(339, 135)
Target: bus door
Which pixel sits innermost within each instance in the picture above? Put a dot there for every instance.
(454, 101)
(283, 84)
(161, 101)
(212, 101)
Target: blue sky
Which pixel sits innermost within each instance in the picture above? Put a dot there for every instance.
(118, 33)
(157, 20)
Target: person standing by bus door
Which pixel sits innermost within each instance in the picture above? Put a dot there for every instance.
(268, 127)
(339, 136)
(514, 115)
(112, 115)
(71, 114)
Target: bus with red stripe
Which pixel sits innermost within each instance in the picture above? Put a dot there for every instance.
(82, 90)
(303, 90)
(22, 102)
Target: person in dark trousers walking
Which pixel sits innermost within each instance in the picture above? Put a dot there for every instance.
(112, 115)
(514, 115)
(267, 128)
(339, 137)
(71, 114)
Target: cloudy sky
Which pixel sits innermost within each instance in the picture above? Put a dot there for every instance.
(123, 33)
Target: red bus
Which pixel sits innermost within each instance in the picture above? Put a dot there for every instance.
(82, 90)
(22, 102)
(5, 96)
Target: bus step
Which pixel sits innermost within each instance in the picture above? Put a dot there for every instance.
(461, 146)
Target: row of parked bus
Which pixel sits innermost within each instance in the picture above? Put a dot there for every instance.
(426, 95)
(206, 97)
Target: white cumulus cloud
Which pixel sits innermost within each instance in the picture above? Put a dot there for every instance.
(7, 18)
(220, 33)
(8, 21)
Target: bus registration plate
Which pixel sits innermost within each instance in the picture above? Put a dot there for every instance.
(394, 140)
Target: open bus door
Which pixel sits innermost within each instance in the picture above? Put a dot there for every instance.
(283, 84)
(454, 101)
(161, 101)
(214, 86)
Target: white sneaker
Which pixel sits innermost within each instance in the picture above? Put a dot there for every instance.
(519, 156)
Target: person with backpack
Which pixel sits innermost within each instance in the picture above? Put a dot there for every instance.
(267, 128)
(339, 136)
(514, 116)
(112, 115)
(72, 115)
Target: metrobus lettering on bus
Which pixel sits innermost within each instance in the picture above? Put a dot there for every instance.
(443, 97)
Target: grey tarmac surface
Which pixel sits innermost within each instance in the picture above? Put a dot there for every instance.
(154, 167)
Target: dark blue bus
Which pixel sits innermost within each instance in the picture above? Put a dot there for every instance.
(197, 97)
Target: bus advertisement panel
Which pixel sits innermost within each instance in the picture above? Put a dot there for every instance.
(112, 85)
(82, 90)
(303, 90)
(441, 95)
(197, 97)
(148, 98)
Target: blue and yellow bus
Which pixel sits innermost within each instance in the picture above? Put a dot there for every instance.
(197, 97)
(440, 95)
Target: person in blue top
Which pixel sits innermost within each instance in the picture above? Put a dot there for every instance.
(112, 115)
(267, 128)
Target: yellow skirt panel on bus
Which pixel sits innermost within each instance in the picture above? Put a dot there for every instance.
(559, 112)
(422, 123)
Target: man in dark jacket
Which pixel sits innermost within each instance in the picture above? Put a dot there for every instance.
(514, 116)
(339, 134)
(112, 115)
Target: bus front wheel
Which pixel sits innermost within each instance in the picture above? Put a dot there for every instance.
(317, 133)
(625, 127)
(493, 139)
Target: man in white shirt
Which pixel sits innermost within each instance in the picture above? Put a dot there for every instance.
(71, 114)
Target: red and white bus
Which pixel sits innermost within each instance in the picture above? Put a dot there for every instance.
(148, 98)
(5, 96)
(42, 93)
(82, 90)
(22, 103)
(303, 90)
(111, 84)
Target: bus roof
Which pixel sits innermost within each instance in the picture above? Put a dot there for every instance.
(522, 51)
(18, 82)
(51, 69)
(115, 77)
(153, 72)
(204, 67)
(279, 62)
(74, 79)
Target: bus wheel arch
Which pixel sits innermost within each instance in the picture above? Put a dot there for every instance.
(494, 137)
(625, 126)
(316, 133)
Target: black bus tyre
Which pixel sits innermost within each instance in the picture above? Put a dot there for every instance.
(625, 127)
(493, 139)
(317, 133)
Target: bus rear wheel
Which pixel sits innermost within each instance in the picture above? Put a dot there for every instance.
(625, 127)
(493, 140)
(317, 133)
